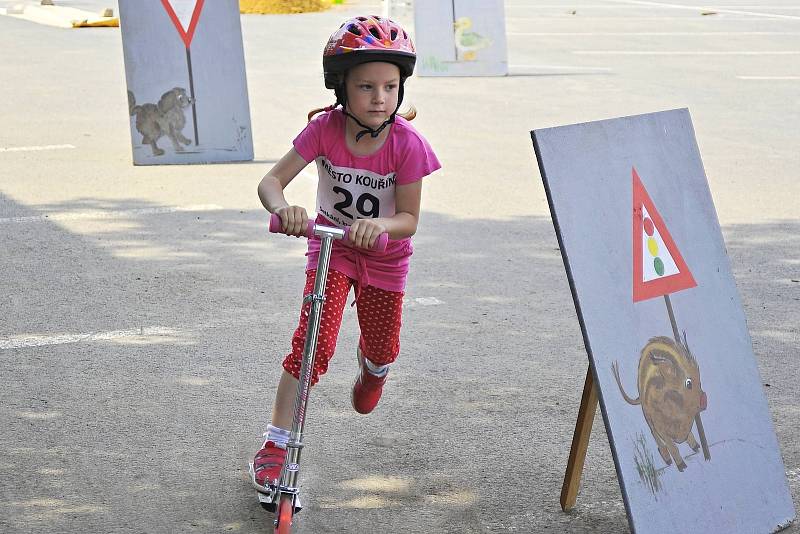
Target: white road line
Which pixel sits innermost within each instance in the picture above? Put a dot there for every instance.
(557, 68)
(309, 174)
(33, 148)
(421, 301)
(568, 6)
(686, 53)
(708, 8)
(70, 216)
(606, 6)
(17, 342)
(647, 34)
(655, 18)
(769, 77)
(790, 8)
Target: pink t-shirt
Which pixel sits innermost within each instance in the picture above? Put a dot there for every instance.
(357, 187)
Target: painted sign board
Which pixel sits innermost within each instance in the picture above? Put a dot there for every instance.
(187, 89)
(679, 387)
(460, 38)
(401, 11)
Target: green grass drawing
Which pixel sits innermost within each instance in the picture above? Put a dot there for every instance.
(435, 64)
(644, 465)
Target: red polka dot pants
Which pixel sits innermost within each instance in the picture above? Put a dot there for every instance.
(379, 314)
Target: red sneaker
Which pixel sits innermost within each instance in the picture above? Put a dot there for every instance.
(266, 467)
(367, 388)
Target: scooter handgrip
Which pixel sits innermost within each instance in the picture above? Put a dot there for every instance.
(275, 223)
(276, 226)
(380, 243)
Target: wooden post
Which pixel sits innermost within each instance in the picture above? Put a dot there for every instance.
(580, 442)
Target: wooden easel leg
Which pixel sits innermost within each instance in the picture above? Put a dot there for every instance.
(580, 442)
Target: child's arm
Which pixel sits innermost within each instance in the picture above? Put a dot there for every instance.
(270, 191)
(365, 232)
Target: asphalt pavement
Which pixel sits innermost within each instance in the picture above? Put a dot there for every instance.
(146, 309)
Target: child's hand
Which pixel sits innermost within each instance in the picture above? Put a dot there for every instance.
(364, 232)
(294, 220)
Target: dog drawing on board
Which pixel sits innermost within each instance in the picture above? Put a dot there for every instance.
(164, 119)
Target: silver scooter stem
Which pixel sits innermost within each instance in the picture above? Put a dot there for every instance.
(290, 473)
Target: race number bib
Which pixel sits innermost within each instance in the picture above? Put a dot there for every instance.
(345, 194)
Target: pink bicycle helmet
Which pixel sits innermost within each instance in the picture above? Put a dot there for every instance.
(364, 39)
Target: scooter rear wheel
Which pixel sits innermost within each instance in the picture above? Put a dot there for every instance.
(283, 515)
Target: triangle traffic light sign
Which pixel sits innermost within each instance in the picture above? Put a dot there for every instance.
(658, 267)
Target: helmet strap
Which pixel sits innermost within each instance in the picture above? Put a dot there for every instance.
(341, 98)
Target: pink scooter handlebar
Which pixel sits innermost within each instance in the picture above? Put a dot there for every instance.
(275, 226)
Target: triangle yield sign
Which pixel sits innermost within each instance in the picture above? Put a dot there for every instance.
(658, 267)
(184, 15)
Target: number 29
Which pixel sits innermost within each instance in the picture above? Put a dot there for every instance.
(368, 206)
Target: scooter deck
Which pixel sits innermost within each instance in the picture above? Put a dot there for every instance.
(266, 502)
(266, 495)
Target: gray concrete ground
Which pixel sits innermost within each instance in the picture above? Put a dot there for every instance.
(139, 343)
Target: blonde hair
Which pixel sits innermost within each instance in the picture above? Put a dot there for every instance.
(409, 115)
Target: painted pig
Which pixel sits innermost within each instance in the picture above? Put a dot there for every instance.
(670, 395)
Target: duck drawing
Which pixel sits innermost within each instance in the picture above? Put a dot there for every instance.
(467, 42)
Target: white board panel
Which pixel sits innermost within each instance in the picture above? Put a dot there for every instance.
(679, 387)
(187, 90)
(460, 38)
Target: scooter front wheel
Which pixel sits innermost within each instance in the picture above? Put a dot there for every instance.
(283, 515)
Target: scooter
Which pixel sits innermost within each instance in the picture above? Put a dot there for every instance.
(284, 499)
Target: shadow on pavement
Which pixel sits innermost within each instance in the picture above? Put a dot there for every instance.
(151, 431)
